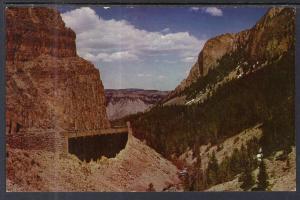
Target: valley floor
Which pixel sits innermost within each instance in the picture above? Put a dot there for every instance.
(133, 169)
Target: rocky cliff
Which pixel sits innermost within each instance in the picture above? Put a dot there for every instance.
(124, 102)
(32, 32)
(47, 85)
(269, 38)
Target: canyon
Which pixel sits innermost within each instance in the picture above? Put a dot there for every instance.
(53, 94)
(237, 100)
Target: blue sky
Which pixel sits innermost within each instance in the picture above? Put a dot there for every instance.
(150, 47)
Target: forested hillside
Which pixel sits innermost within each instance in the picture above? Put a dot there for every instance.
(239, 81)
(266, 96)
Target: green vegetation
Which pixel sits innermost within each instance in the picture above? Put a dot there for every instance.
(262, 178)
(247, 179)
(240, 162)
(227, 63)
(247, 165)
(212, 170)
(265, 96)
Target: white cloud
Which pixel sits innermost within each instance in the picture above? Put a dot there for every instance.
(101, 40)
(195, 8)
(112, 57)
(214, 11)
(189, 59)
(166, 30)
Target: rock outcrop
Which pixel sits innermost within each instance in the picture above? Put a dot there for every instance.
(270, 37)
(47, 85)
(124, 102)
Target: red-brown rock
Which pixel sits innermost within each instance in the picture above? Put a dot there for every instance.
(47, 85)
(35, 31)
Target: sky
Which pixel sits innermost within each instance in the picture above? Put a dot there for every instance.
(150, 47)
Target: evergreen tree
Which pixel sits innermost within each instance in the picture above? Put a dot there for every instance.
(262, 178)
(247, 178)
(224, 170)
(246, 166)
(198, 183)
(235, 162)
(213, 170)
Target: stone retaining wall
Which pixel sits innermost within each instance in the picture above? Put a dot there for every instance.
(49, 141)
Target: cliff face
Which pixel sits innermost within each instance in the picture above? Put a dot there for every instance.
(213, 50)
(47, 85)
(269, 38)
(35, 31)
(130, 101)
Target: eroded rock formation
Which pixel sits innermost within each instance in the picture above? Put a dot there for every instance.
(123, 102)
(47, 85)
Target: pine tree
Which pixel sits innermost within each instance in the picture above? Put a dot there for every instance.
(224, 170)
(247, 178)
(246, 163)
(235, 162)
(198, 175)
(262, 178)
(213, 170)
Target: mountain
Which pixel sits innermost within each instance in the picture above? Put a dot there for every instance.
(237, 100)
(123, 102)
(269, 38)
(49, 89)
(48, 86)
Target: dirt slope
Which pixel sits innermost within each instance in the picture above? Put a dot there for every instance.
(133, 169)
